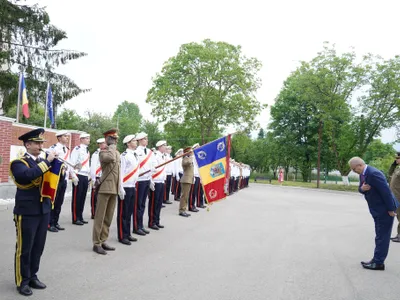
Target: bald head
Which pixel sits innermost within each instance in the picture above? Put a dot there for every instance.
(357, 164)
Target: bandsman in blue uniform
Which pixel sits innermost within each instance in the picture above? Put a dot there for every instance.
(31, 211)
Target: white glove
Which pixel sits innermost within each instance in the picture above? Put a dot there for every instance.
(121, 193)
(75, 181)
(152, 186)
(177, 178)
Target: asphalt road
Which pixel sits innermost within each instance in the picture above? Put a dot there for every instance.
(265, 242)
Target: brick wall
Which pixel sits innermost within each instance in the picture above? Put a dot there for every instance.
(5, 142)
(9, 133)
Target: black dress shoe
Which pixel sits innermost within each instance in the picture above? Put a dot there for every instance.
(154, 227)
(162, 206)
(367, 262)
(99, 250)
(194, 210)
(144, 230)
(80, 223)
(84, 222)
(125, 242)
(203, 206)
(37, 284)
(184, 214)
(132, 239)
(160, 226)
(59, 227)
(25, 290)
(139, 232)
(374, 266)
(107, 247)
(52, 229)
(168, 202)
(92, 217)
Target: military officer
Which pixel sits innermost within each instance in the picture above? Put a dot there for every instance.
(62, 150)
(186, 180)
(80, 157)
(95, 173)
(129, 175)
(156, 196)
(110, 187)
(31, 211)
(178, 175)
(146, 164)
(169, 170)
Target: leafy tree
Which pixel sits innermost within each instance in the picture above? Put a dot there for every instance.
(261, 134)
(69, 119)
(378, 150)
(96, 124)
(210, 84)
(128, 118)
(154, 134)
(27, 38)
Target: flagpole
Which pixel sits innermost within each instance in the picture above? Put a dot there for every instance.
(19, 96)
(45, 111)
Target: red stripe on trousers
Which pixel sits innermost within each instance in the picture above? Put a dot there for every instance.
(120, 219)
(74, 203)
(135, 208)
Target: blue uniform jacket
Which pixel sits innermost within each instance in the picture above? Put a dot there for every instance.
(380, 198)
(27, 175)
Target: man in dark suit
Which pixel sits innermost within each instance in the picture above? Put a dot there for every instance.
(382, 206)
(31, 211)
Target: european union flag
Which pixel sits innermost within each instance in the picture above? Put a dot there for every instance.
(49, 102)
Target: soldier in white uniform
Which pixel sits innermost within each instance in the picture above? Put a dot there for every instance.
(61, 149)
(156, 196)
(129, 176)
(147, 163)
(95, 173)
(80, 157)
(169, 168)
(178, 175)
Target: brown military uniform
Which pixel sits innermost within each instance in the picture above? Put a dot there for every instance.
(107, 195)
(394, 177)
(186, 181)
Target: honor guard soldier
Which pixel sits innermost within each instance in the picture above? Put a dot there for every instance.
(178, 175)
(146, 164)
(173, 167)
(61, 149)
(31, 211)
(169, 168)
(110, 186)
(129, 175)
(186, 180)
(156, 196)
(80, 157)
(95, 173)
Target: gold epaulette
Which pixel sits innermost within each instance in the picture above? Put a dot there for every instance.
(34, 183)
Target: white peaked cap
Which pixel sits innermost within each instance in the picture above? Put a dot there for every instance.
(196, 145)
(160, 143)
(84, 135)
(102, 140)
(141, 135)
(63, 132)
(180, 150)
(128, 138)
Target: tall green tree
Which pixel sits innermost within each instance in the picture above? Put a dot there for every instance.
(27, 41)
(127, 118)
(210, 84)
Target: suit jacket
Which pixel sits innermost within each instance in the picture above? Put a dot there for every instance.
(380, 199)
(188, 170)
(27, 175)
(111, 171)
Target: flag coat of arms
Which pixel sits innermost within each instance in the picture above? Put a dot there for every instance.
(212, 162)
(51, 179)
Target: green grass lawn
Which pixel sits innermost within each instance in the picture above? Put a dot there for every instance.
(335, 187)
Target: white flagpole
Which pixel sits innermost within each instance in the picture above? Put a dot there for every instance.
(19, 96)
(45, 111)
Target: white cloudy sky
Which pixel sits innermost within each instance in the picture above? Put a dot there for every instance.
(128, 41)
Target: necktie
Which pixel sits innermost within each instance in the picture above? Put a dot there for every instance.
(145, 151)
(362, 178)
(64, 149)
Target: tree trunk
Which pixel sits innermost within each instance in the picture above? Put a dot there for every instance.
(319, 153)
(345, 180)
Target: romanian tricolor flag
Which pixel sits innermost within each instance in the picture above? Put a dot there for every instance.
(51, 179)
(22, 96)
(212, 160)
